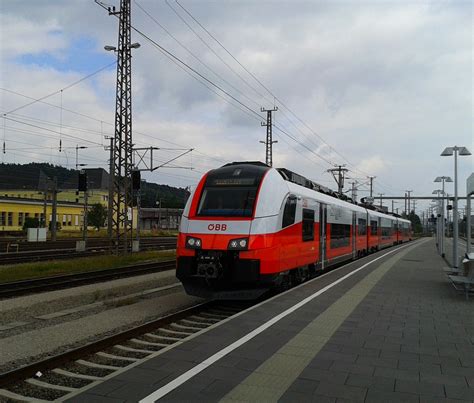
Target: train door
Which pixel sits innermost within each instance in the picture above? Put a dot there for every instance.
(367, 233)
(322, 234)
(354, 234)
(379, 233)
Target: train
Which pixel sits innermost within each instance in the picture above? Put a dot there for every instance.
(248, 228)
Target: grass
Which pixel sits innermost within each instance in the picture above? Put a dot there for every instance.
(103, 233)
(25, 271)
(65, 234)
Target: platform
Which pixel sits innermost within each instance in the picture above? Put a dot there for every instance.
(388, 327)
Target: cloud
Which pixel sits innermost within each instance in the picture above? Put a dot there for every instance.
(386, 84)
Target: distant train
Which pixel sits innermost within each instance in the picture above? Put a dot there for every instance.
(248, 228)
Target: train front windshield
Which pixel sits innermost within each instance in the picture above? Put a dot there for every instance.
(231, 191)
(227, 201)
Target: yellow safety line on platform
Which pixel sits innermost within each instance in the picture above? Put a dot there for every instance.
(271, 379)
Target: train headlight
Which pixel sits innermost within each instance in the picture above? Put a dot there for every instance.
(238, 244)
(193, 243)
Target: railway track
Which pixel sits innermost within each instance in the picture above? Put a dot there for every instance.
(66, 243)
(38, 254)
(62, 376)
(42, 284)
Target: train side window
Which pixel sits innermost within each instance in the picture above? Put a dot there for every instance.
(340, 235)
(289, 212)
(308, 224)
(373, 227)
(362, 226)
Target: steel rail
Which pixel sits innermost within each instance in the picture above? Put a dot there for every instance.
(17, 288)
(58, 360)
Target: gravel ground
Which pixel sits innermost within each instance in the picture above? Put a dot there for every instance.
(82, 369)
(38, 323)
(26, 307)
(142, 346)
(25, 389)
(22, 349)
(56, 379)
(153, 340)
(97, 359)
(125, 353)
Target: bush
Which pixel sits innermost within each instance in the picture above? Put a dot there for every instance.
(30, 222)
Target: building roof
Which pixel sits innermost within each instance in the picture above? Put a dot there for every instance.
(23, 200)
(32, 177)
(97, 178)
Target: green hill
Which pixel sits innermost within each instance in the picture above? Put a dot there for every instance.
(32, 176)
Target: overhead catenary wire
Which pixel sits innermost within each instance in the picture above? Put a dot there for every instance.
(194, 55)
(275, 97)
(213, 51)
(252, 112)
(204, 155)
(62, 89)
(280, 102)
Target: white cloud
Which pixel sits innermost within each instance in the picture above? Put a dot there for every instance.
(22, 36)
(388, 84)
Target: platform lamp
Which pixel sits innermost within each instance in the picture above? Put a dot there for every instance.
(448, 151)
(439, 227)
(442, 179)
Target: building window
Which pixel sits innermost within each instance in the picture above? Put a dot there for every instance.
(64, 220)
(69, 219)
(76, 220)
(21, 219)
(3, 218)
(362, 226)
(10, 219)
(308, 225)
(289, 213)
(340, 235)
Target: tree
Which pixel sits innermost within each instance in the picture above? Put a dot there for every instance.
(30, 222)
(415, 222)
(97, 216)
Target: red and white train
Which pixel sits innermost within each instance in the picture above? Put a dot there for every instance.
(248, 228)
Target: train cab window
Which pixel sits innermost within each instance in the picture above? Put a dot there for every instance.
(231, 191)
(228, 201)
(289, 212)
(308, 224)
(373, 227)
(361, 226)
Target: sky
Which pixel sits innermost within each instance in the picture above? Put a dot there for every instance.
(380, 86)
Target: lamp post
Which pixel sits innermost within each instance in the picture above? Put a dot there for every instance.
(439, 225)
(442, 179)
(448, 151)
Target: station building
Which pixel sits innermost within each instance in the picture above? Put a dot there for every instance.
(15, 210)
(34, 199)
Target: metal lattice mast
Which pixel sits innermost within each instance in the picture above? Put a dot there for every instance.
(269, 140)
(339, 175)
(122, 149)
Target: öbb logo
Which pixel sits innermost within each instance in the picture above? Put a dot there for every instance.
(217, 227)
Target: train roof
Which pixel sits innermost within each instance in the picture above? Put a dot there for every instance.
(314, 189)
